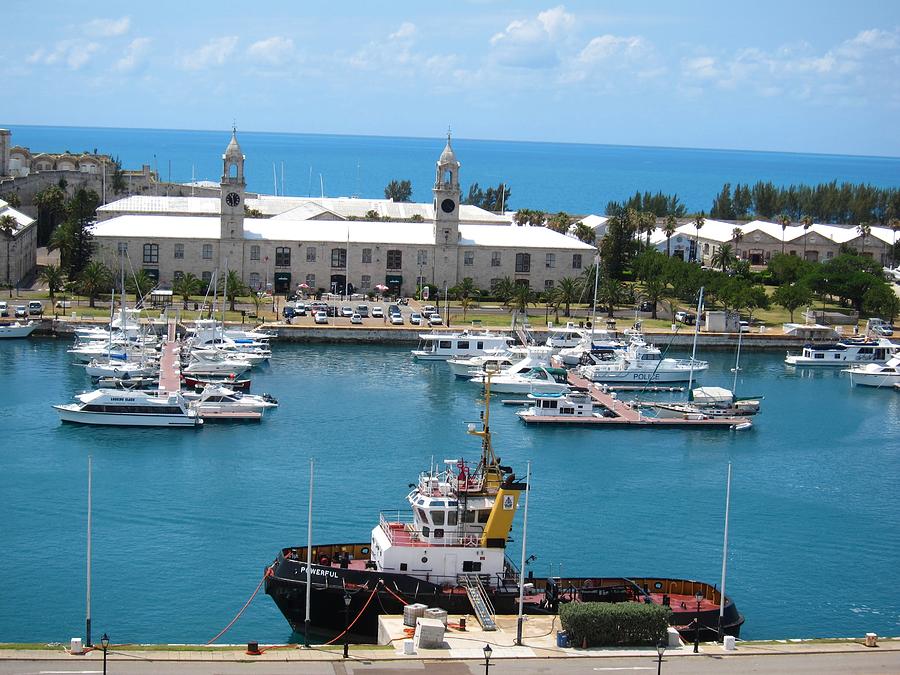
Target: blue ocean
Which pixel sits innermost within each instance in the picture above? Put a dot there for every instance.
(185, 520)
(576, 178)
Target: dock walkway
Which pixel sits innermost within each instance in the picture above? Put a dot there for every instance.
(170, 362)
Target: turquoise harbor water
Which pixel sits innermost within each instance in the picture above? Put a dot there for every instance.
(185, 520)
(578, 178)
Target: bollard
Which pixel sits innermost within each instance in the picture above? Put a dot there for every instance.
(462, 623)
(253, 649)
(871, 639)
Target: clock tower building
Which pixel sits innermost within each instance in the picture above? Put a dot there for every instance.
(233, 187)
(446, 217)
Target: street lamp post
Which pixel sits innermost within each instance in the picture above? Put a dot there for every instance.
(698, 596)
(104, 642)
(487, 658)
(346, 624)
(660, 650)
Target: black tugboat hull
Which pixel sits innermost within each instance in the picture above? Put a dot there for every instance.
(374, 593)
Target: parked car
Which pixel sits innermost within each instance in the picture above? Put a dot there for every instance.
(435, 320)
(332, 310)
(321, 317)
(21, 311)
(4, 308)
(428, 310)
(363, 311)
(300, 309)
(288, 312)
(645, 307)
(403, 301)
(883, 330)
(346, 311)
(394, 309)
(377, 312)
(396, 320)
(686, 318)
(35, 307)
(355, 318)
(415, 318)
(745, 326)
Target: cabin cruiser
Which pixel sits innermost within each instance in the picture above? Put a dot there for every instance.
(531, 374)
(239, 335)
(845, 353)
(601, 344)
(254, 358)
(709, 401)
(205, 362)
(571, 404)
(121, 368)
(218, 399)
(133, 408)
(559, 337)
(444, 346)
(495, 359)
(17, 329)
(641, 363)
(876, 375)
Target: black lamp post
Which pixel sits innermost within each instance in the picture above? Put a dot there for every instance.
(346, 624)
(487, 658)
(698, 596)
(660, 650)
(104, 642)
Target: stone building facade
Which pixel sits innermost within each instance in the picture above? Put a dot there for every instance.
(287, 253)
(18, 247)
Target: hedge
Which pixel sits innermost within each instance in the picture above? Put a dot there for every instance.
(618, 623)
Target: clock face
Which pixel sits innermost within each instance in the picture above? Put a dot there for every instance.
(232, 199)
(448, 205)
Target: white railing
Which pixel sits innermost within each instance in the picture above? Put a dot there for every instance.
(415, 536)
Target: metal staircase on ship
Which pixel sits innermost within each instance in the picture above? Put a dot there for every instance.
(481, 605)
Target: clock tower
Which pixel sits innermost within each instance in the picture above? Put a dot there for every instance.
(233, 186)
(446, 218)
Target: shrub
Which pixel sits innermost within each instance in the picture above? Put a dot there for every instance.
(611, 624)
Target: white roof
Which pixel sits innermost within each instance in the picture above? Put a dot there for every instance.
(22, 220)
(357, 231)
(593, 221)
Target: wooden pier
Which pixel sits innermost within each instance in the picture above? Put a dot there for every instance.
(170, 362)
(623, 415)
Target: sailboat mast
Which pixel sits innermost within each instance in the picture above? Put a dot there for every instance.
(737, 361)
(725, 551)
(694, 348)
(594, 304)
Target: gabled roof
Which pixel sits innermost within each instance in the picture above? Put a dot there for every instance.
(22, 220)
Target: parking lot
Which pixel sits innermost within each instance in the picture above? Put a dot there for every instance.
(333, 312)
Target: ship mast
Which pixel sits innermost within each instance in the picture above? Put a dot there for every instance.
(488, 465)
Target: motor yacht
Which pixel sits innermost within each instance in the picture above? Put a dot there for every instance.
(133, 408)
(206, 362)
(875, 374)
(531, 374)
(221, 399)
(848, 352)
(496, 359)
(444, 346)
(17, 329)
(573, 403)
(642, 363)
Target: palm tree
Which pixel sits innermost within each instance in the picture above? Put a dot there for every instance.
(567, 291)
(93, 280)
(8, 227)
(699, 221)
(505, 290)
(65, 240)
(51, 205)
(737, 235)
(585, 233)
(609, 293)
(140, 284)
(864, 230)
(723, 257)
(785, 221)
(186, 286)
(54, 278)
(653, 290)
(465, 291)
(894, 224)
(671, 224)
(807, 223)
(522, 297)
(234, 288)
(648, 223)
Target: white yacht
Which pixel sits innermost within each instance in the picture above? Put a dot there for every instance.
(16, 329)
(531, 374)
(205, 362)
(121, 368)
(495, 359)
(444, 346)
(572, 404)
(560, 337)
(602, 344)
(709, 401)
(132, 408)
(876, 375)
(220, 397)
(642, 363)
(848, 352)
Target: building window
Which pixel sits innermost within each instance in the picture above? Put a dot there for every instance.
(207, 251)
(365, 282)
(206, 277)
(179, 251)
(469, 258)
(123, 248)
(551, 261)
(523, 262)
(310, 254)
(178, 275)
(254, 280)
(339, 258)
(495, 259)
(151, 253)
(394, 259)
(576, 261)
(548, 284)
(254, 252)
(705, 249)
(829, 255)
(282, 256)
(311, 280)
(421, 257)
(367, 255)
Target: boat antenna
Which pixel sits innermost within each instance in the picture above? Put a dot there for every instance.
(488, 463)
(694, 348)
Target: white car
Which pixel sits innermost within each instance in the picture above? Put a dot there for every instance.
(435, 320)
(396, 320)
(321, 317)
(346, 311)
(415, 318)
(4, 308)
(21, 311)
(355, 318)
(377, 312)
(883, 330)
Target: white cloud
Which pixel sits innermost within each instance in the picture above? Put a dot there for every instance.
(134, 55)
(406, 31)
(107, 27)
(533, 43)
(72, 53)
(273, 51)
(212, 54)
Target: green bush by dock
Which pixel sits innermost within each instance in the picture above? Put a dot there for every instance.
(602, 624)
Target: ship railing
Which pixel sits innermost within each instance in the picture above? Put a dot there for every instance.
(402, 531)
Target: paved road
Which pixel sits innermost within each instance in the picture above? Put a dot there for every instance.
(863, 663)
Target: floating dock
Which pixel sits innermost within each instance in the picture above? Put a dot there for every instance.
(620, 414)
(170, 363)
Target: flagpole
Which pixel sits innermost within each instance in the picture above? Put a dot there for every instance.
(521, 618)
(306, 623)
(88, 614)
(725, 552)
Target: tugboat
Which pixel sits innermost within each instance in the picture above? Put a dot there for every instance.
(450, 552)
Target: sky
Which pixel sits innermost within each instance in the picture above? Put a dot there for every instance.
(791, 75)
